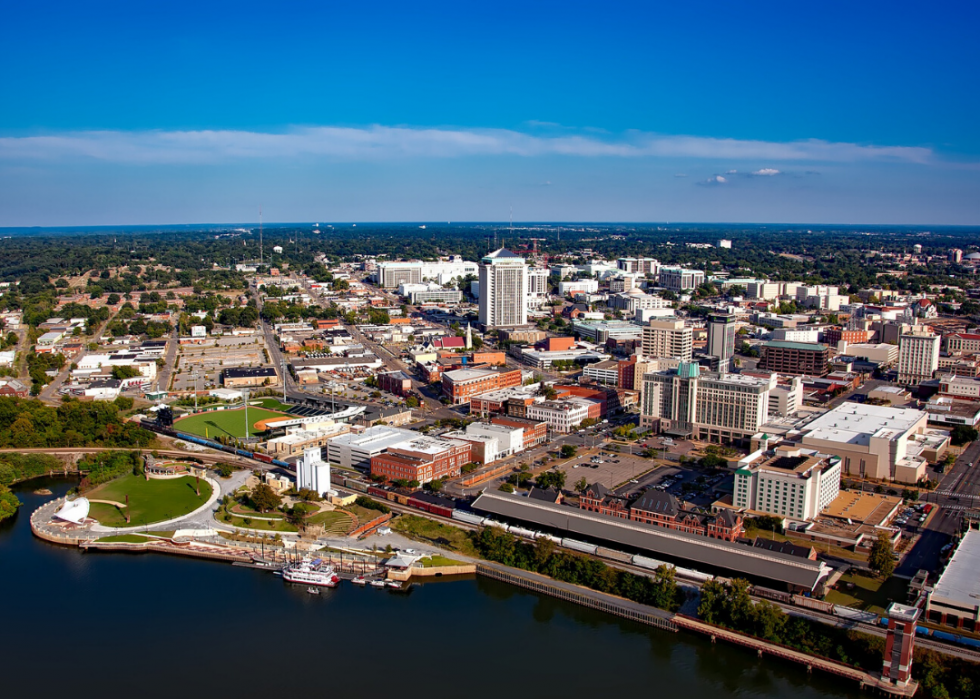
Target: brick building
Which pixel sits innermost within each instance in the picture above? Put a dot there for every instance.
(535, 431)
(397, 382)
(663, 510)
(832, 336)
(462, 384)
(422, 459)
(811, 358)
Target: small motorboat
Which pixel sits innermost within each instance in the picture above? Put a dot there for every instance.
(394, 584)
(377, 583)
(359, 580)
(312, 591)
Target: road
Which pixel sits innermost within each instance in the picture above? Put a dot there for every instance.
(957, 494)
(167, 370)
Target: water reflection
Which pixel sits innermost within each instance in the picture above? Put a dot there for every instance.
(250, 635)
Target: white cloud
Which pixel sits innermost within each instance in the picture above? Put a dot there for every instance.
(714, 180)
(380, 142)
(732, 172)
(766, 172)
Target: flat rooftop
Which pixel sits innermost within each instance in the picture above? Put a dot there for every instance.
(866, 508)
(960, 582)
(375, 438)
(856, 423)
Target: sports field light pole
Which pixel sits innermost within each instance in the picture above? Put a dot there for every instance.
(245, 396)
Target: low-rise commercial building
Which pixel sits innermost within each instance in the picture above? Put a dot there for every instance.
(462, 384)
(955, 598)
(877, 442)
(422, 459)
(663, 510)
(533, 432)
(244, 377)
(561, 415)
(355, 450)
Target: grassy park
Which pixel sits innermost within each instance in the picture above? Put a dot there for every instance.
(867, 593)
(422, 529)
(225, 423)
(150, 501)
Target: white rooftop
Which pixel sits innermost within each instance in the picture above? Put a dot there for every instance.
(960, 582)
(430, 445)
(856, 423)
(375, 438)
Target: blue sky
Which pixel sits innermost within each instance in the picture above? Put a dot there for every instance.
(154, 112)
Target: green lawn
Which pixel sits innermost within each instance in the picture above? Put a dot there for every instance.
(265, 525)
(225, 423)
(869, 594)
(149, 501)
(336, 522)
(438, 561)
(241, 510)
(422, 529)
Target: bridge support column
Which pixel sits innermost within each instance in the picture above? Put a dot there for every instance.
(760, 652)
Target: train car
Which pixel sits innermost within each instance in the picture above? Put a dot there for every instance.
(356, 485)
(775, 595)
(377, 492)
(496, 525)
(650, 563)
(550, 537)
(580, 546)
(468, 517)
(855, 615)
(614, 555)
(922, 631)
(691, 574)
(282, 464)
(264, 458)
(406, 500)
(521, 531)
(814, 604)
(430, 507)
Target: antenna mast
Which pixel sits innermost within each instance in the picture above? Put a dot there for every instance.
(261, 258)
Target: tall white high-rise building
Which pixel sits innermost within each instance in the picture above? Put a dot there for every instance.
(537, 286)
(918, 356)
(312, 472)
(503, 289)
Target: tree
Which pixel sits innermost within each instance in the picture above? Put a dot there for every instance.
(568, 451)
(581, 485)
(881, 559)
(264, 498)
(961, 434)
(412, 402)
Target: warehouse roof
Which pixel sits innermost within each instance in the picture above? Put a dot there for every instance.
(679, 545)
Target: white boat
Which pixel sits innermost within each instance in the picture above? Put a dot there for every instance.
(394, 584)
(359, 580)
(313, 591)
(311, 571)
(377, 583)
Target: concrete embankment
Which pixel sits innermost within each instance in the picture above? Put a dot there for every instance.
(579, 595)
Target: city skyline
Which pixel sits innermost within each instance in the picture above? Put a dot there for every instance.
(124, 115)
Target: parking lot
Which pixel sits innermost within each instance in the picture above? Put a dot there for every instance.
(206, 362)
